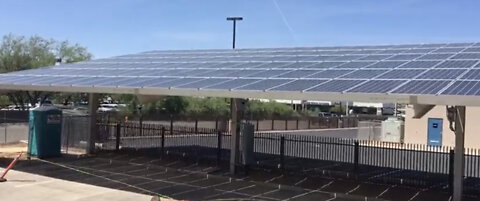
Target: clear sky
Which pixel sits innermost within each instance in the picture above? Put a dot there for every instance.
(115, 27)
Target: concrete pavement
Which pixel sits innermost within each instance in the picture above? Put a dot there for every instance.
(27, 186)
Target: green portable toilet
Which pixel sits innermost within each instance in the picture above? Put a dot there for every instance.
(45, 131)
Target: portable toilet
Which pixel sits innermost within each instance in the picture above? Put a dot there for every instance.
(45, 131)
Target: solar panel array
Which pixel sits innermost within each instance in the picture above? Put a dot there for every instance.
(441, 69)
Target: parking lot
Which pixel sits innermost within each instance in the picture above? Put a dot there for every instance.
(198, 181)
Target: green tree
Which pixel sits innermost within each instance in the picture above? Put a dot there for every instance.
(22, 53)
(260, 109)
(174, 105)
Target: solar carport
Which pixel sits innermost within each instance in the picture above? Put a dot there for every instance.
(418, 74)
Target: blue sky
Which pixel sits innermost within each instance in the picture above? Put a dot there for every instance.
(115, 27)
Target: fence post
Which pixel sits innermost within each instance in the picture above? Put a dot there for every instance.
(216, 124)
(355, 158)
(219, 146)
(163, 140)
(286, 124)
(450, 170)
(117, 142)
(273, 123)
(308, 122)
(171, 125)
(257, 125)
(297, 123)
(282, 153)
(196, 126)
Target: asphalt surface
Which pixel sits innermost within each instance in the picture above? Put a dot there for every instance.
(185, 179)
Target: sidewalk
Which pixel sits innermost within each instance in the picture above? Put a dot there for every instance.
(26, 186)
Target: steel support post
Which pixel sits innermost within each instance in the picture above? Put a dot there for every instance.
(459, 155)
(92, 111)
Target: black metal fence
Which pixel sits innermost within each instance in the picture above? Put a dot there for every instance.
(75, 134)
(414, 165)
(197, 143)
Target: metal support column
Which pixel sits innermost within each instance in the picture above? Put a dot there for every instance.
(459, 156)
(236, 111)
(92, 111)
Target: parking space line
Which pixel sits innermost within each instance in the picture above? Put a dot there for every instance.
(385, 191)
(350, 191)
(274, 178)
(333, 198)
(328, 184)
(302, 194)
(272, 191)
(231, 191)
(414, 196)
(301, 181)
(384, 174)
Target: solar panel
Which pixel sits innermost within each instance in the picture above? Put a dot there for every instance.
(375, 57)
(330, 74)
(325, 64)
(449, 50)
(298, 73)
(419, 50)
(268, 73)
(232, 84)
(347, 58)
(276, 65)
(175, 72)
(377, 86)
(404, 57)
(473, 74)
(463, 88)
(336, 86)
(203, 83)
(144, 81)
(324, 57)
(403, 69)
(71, 81)
(355, 64)
(114, 81)
(219, 73)
(420, 64)
(467, 56)
(298, 85)
(264, 84)
(457, 64)
(172, 83)
(26, 80)
(91, 81)
(435, 56)
(472, 49)
(364, 74)
(241, 73)
(49, 80)
(387, 64)
(422, 87)
(442, 74)
(402, 74)
(432, 45)
(459, 44)
(392, 51)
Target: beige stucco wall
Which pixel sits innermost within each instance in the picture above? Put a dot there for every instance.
(416, 129)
